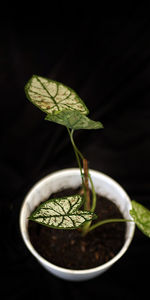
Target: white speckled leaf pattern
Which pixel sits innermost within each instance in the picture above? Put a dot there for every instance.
(52, 97)
(74, 120)
(141, 216)
(62, 213)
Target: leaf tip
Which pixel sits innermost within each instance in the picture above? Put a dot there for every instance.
(100, 125)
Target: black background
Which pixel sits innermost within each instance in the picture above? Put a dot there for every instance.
(103, 54)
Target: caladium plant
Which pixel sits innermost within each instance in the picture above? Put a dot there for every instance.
(62, 105)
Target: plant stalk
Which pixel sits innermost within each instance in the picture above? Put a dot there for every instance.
(93, 194)
(85, 176)
(106, 222)
(76, 151)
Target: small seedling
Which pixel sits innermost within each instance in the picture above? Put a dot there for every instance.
(63, 106)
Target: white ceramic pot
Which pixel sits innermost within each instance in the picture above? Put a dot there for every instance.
(67, 178)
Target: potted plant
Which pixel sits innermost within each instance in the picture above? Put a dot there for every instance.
(71, 200)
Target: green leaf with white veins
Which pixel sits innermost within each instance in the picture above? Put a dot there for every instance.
(74, 120)
(141, 217)
(62, 213)
(51, 96)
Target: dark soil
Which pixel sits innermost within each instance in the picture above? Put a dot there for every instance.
(67, 248)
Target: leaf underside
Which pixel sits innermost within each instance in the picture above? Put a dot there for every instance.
(141, 216)
(74, 120)
(62, 213)
(52, 97)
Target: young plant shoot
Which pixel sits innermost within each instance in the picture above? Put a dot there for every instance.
(63, 106)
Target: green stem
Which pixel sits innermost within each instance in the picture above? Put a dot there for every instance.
(75, 147)
(86, 227)
(108, 221)
(77, 152)
(93, 194)
(79, 156)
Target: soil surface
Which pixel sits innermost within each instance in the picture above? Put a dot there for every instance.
(67, 248)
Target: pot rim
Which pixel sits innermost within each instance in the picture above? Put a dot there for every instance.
(23, 227)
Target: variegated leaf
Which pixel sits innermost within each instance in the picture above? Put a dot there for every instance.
(141, 217)
(74, 120)
(62, 213)
(51, 96)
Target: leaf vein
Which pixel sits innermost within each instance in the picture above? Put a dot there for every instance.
(31, 91)
(64, 98)
(57, 202)
(48, 92)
